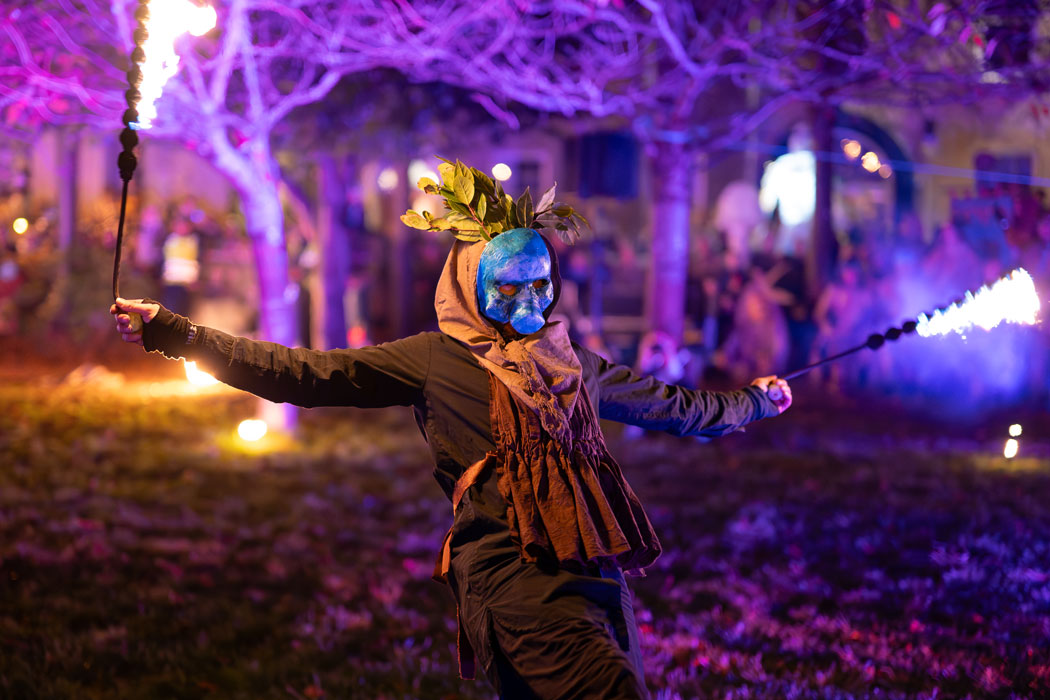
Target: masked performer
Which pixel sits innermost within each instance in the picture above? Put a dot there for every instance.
(544, 523)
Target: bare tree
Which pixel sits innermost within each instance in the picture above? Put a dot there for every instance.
(672, 69)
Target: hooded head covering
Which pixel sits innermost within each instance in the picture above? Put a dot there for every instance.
(541, 369)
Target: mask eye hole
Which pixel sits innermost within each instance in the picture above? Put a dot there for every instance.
(508, 289)
(540, 284)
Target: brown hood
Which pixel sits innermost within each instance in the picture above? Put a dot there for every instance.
(541, 369)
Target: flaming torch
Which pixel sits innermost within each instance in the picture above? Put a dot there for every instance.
(1012, 299)
(153, 62)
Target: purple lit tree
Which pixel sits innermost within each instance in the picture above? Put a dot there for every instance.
(65, 64)
(687, 79)
(713, 75)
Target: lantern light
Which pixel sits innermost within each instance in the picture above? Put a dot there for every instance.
(501, 171)
(20, 225)
(851, 148)
(251, 430)
(387, 179)
(1010, 448)
(1015, 430)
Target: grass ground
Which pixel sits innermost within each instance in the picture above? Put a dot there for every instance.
(831, 553)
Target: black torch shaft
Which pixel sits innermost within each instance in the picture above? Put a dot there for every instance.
(126, 161)
(120, 240)
(838, 356)
(874, 341)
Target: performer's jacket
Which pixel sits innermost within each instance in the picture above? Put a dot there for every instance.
(449, 391)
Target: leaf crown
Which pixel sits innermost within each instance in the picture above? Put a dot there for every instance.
(477, 208)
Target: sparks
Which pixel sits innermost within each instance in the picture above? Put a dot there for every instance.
(168, 19)
(1012, 299)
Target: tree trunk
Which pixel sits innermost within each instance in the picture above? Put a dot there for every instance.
(56, 303)
(68, 143)
(399, 300)
(671, 174)
(821, 258)
(335, 251)
(264, 221)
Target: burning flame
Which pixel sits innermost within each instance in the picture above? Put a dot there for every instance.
(198, 377)
(167, 20)
(1012, 299)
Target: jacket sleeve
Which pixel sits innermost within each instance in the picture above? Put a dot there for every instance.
(391, 374)
(631, 398)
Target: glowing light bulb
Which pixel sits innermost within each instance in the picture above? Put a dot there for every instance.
(1015, 430)
(168, 19)
(251, 430)
(198, 377)
(501, 171)
(1010, 448)
(851, 148)
(387, 179)
(418, 169)
(870, 161)
(20, 225)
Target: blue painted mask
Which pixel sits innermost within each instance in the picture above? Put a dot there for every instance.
(514, 280)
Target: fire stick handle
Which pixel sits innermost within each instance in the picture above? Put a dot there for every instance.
(120, 241)
(774, 392)
(826, 360)
(874, 341)
(126, 161)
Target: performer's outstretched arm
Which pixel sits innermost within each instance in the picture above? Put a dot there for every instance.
(627, 397)
(391, 374)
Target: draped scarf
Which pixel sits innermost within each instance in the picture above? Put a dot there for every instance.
(566, 496)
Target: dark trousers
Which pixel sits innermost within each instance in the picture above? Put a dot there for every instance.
(540, 631)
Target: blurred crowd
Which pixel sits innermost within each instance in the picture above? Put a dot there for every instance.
(753, 305)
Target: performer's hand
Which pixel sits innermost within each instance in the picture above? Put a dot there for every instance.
(130, 315)
(777, 390)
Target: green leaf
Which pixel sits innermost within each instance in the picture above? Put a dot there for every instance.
(441, 224)
(466, 225)
(482, 207)
(547, 199)
(495, 212)
(414, 220)
(561, 209)
(512, 216)
(578, 215)
(463, 186)
(427, 185)
(567, 235)
(447, 172)
(483, 183)
(458, 207)
(469, 236)
(525, 209)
